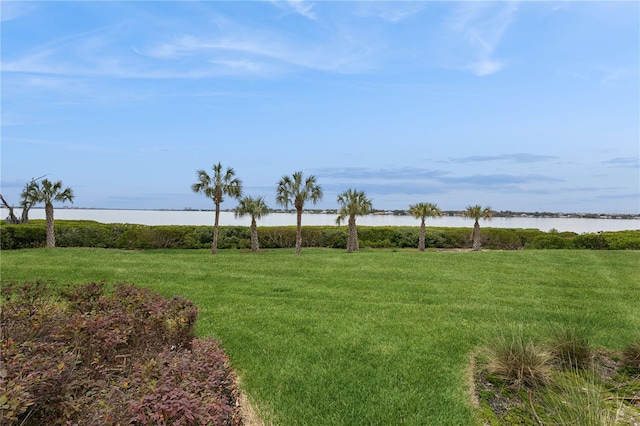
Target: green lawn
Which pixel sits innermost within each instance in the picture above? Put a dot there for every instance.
(374, 337)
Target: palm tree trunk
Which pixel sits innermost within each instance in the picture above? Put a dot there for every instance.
(12, 217)
(422, 233)
(51, 237)
(214, 245)
(24, 218)
(254, 235)
(352, 237)
(476, 237)
(298, 230)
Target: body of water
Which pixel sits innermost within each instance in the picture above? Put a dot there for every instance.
(178, 217)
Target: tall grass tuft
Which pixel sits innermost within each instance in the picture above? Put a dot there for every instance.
(518, 360)
(577, 399)
(570, 348)
(631, 355)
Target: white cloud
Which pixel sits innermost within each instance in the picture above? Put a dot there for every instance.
(486, 66)
(393, 12)
(482, 27)
(303, 8)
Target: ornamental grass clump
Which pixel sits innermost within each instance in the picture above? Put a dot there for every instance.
(631, 355)
(578, 398)
(570, 348)
(518, 361)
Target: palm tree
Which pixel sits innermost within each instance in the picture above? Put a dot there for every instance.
(216, 187)
(352, 203)
(422, 211)
(47, 192)
(28, 199)
(476, 212)
(296, 190)
(28, 196)
(256, 208)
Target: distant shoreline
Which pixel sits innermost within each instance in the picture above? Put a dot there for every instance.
(448, 213)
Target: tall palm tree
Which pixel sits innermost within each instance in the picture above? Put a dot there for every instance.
(216, 187)
(353, 203)
(256, 208)
(47, 192)
(476, 212)
(422, 211)
(296, 190)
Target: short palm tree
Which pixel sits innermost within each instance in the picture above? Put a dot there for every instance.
(296, 190)
(422, 211)
(476, 212)
(48, 192)
(256, 208)
(352, 203)
(216, 187)
(28, 198)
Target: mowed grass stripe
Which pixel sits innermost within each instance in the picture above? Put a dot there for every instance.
(374, 337)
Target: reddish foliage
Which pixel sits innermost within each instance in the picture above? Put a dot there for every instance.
(82, 356)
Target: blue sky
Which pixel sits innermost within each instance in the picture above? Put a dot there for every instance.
(523, 106)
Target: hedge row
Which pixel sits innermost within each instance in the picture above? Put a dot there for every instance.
(127, 236)
(620, 240)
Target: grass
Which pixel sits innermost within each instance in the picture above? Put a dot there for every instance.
(518, 360)
(374, 337)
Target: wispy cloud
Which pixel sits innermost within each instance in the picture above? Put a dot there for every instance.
(11, 10)
(363, 173)
(302, 8)
(498, 180)
(393, 12)
(482, 26)
(416, 180)
(516, 158)
(627, 162)
(631, 196)
(613, 75)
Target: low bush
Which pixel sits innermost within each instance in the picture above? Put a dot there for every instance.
(622, 240)
(590, 241)
(85, 356)
(551, 241)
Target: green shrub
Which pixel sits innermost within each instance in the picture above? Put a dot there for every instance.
(590, 242)
(30, 235)
(434, 239)
(623, 240)
(277, 236)
(335, 237)
(501, 239)
(527, 235)
(551, 241)
(457, 237)
(230, 237)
